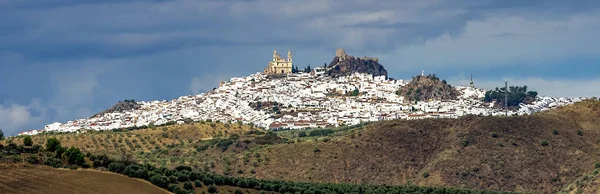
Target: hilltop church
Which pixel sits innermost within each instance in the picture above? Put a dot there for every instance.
(279, 65)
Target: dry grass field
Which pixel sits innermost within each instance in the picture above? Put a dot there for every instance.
(38, 179)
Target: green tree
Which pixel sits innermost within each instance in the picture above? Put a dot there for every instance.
(188, 186)
(27, 141)
(1, 134)
(74, 156)
(52, 144)
(159, 180)
(212, 189)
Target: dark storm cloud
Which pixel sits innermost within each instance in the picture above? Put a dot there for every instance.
(65, 59)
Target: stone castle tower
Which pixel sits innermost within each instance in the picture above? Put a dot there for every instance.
(279, 65)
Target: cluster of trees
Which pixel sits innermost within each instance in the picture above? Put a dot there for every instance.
(516, 95)
(306, 69)
(72, 155)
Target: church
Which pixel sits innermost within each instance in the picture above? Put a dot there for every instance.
(279, 65)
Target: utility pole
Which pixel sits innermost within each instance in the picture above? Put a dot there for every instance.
(506, 97)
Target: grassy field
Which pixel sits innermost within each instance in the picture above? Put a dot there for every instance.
(36, 179)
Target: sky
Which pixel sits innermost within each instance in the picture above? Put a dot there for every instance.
(62, 60)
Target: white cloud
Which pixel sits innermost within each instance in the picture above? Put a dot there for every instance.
(14, 118)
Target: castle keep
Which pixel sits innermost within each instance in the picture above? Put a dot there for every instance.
(279, 65)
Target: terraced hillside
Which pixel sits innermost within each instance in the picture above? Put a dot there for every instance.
(142, 145)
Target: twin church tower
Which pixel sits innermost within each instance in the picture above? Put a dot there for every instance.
(280, 65)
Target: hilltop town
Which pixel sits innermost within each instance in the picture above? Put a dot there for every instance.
(300, 100)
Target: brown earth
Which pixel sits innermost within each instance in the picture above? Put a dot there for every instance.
(471, 152)
(36, 179)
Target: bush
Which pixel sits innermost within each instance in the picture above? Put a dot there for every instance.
(182, 177)
(198, 183)
(554, 132)
(173, 187)
(238, 191)
(464, 143)
(320, 132)
(54, 162)
(579, 132)
(188, 186)
(27, 141)
(302, 134)
(212, 189)
(172, 179)
(597, 165)
(544, 142)
(52, 144)
(316, 149)
(117, 167)
(75, 156)
(494, 135)
(159, 180)
(425, 174)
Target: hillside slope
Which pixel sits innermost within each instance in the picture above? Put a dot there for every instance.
(545, 152)
(471, 152)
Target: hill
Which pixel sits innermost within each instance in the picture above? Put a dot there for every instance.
(121, 106)
(344, 65)
(546, 152)
(36, 179)
(428, 87)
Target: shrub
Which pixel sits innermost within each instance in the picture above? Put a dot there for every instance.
(74, 156)
(188, 186)
(544, 142)
(173, 187)
(425, 174)
(27, 141)
(198, 183)
(316, 149)
(302, 134)
(494, 135)
(579, 132)
(52, 144)
(597, 165)
(117, 167)
(54, 162)
(464, 143)
(183, 177)
(172, 179)
(159, 180)
(212, 189)
(238, 191)
(554, 132)
(320, 132)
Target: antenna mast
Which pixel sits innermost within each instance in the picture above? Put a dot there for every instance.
(506, 96)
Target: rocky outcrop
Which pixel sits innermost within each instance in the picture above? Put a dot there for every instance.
(428, 87)
(345, 65)
(121, 106)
